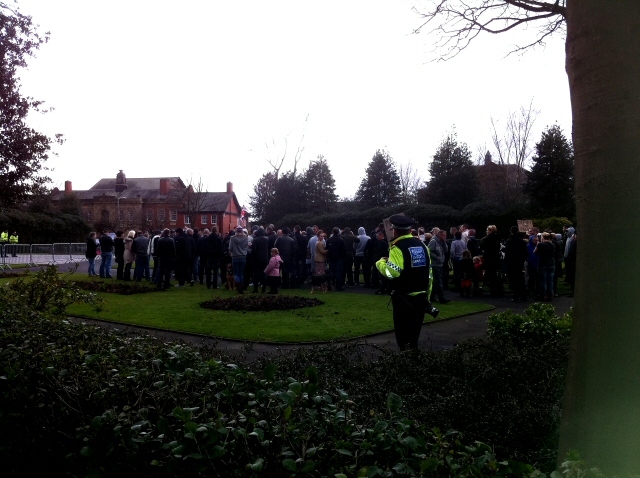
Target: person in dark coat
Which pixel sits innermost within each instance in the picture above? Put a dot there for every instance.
(166, 251)
(286, 246)
(490, 246)
(202, 253)
(91, 253)
(213, 253)
(261, 255)
(515, 255)
(272, 236)
(336, 251)
(185, 250)
(106, 248)
(350, 240)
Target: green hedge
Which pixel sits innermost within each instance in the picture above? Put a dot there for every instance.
(44, 228)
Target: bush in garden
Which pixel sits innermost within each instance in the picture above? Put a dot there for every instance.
(539, 323)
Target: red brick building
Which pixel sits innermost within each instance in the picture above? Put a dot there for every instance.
(154, 203)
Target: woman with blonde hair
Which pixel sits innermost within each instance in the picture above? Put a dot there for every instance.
(129, 255)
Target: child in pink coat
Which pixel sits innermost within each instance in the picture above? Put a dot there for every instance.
(273, 271)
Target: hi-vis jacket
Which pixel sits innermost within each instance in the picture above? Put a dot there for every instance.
(408, 266)
(4, 236)
(13, 239)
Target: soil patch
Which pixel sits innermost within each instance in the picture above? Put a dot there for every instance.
(261, 303)
(114, 288)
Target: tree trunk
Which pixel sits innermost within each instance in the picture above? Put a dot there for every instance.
(601, 413)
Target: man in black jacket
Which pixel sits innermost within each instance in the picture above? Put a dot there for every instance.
(185, 251)
(336, 252)
(515, 253)
(106, 248)
(286, 246)
(214, 258)
(261, 254)
(165, 248)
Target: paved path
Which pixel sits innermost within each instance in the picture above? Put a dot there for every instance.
(440, 335)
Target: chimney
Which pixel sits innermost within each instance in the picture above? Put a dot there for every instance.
(229, 187)
(164, 186)
(67, 188)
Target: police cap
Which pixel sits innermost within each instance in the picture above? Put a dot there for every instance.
(399, 221)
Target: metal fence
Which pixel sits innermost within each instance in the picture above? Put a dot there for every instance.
(41, 254)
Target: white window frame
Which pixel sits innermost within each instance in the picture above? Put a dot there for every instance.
(203, 219)
(173, 215)
(214, 219)
(161, 215)
(187, 219)
(149, 215)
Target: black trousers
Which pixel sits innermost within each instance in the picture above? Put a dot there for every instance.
(516, 282)
(408, 316)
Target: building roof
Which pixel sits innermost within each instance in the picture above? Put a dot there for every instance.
(135, 183)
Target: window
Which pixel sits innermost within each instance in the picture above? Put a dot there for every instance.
(149, 215)
(130, 217)
(214, 219)
(90, 216)
(187, 219)
(161, 215)
(203, 219)
(121, 215)
(173, 215)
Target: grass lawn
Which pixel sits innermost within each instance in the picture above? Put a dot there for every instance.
(343, 315)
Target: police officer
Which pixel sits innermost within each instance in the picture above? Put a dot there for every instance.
(13, 240)
(407, 267)
(4, 238)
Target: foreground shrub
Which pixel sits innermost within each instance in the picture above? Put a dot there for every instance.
(82, 401)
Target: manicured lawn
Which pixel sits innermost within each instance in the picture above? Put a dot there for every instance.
(343, 315)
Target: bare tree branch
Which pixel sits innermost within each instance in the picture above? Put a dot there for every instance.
(457, 22)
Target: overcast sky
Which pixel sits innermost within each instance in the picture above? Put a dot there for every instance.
(197, 89)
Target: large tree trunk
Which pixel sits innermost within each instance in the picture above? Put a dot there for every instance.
(601, 414)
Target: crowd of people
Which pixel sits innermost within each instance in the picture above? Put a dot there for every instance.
(267, 257)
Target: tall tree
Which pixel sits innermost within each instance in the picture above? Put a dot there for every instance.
(600, 416)
(513, 146)
(381, 184)
(23, 151)
(550, 185)
(319, 187)
(410, 183)
(453, 176)
(262, 199)
(288, 197)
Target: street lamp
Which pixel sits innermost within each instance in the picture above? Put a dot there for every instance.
(118, 200)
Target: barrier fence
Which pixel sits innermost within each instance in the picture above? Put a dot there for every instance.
(42, 254)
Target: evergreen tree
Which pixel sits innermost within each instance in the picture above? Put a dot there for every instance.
(288, 197)
(262, 199)
(319, 187)
(381, 184)
(22, 149)
(550, 185)
(454, 179)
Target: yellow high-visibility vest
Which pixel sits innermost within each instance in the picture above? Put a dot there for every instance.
(13, 239)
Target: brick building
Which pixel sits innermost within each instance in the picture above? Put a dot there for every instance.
(154, 203)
